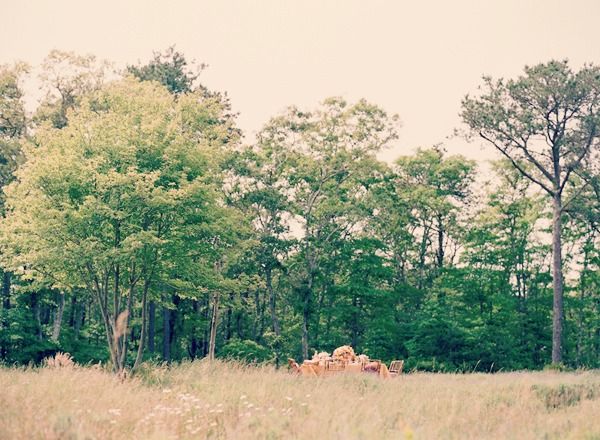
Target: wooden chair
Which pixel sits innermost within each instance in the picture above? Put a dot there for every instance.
(396, 368)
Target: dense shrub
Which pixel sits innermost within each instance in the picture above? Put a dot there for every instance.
(246, 351)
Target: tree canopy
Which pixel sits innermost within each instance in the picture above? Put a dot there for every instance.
(137, 226)
(546, 123)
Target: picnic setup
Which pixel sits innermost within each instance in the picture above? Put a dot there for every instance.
(344, 360)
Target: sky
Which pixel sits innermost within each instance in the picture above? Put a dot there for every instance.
(417, 59)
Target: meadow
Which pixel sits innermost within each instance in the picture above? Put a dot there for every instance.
(224, 400)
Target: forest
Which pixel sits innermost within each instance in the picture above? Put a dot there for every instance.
(139, 224)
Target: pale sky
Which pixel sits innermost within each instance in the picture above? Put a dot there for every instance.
(417, 59)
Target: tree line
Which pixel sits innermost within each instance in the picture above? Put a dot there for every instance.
(137, 224)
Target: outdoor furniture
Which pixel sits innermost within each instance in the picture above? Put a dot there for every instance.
(334, 365)
(344, 361)
(354, 367)
(372, 366)
(396, 368)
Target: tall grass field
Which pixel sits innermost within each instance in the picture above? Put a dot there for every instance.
(199, 400)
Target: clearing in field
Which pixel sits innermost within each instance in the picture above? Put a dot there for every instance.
(229, 401)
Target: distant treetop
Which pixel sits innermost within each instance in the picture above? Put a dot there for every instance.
(171, 69)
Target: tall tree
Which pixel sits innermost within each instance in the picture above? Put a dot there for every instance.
(435, 186)
(255, 188)
(583, 238)
(508, 269)
(110, 201)
(332, 160)
(212, 122)
(13, 127)
(546, 124)
(13, 121)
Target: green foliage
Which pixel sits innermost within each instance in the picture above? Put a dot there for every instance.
(246, 351)
(546, 124)
(170, 69)
(135, 196)
(13, 122)
(20, 339)
(122, 195)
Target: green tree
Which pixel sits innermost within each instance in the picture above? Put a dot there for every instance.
(331, 162)
(13, 127)
(171, 69)
(213, 122)
(112, 200)
(546, 124)
(255, 188)
(435, 189)
(506, 273)
(582, 237)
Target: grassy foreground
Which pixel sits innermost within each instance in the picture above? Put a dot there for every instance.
(203, 400)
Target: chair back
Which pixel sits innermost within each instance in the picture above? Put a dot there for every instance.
(396, 367)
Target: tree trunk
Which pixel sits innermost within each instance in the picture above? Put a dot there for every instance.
(6, 290)
(305, 335)
(355, 318)
(306, 306)
(58, 316)
(83, 310)
(35, 305)
(108, 329)
(151, 325)
(440, 249)
(257, 330)
(206, 336)
(422, 256)
(140, 352)
(213, 327)
(318, 312)
(272, 303)
(194, 345)
(557, 280)
(124, 330)
(329, 318)
(5, 306)
(239, 326)
(73, 314)
(174, 322)
(166, 352)
(307, 292)
(228, 332)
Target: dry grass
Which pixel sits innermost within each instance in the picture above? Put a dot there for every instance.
(200, 400)
(60, 360)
